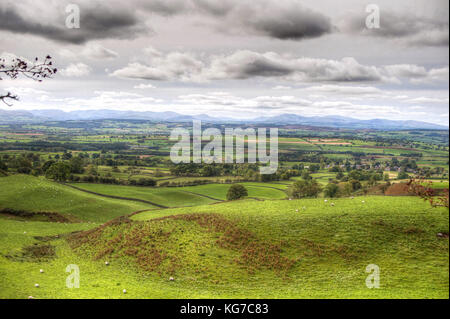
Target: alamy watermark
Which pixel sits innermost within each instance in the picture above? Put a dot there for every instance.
(73, 16)
(234, 138)
(373, 19)
(373, 280)
(73, 280)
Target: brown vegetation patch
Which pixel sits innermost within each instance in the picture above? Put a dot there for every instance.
(153, 244)
(398, 189)
(255, 254)
(37, 216)
(409, 230)
(315, 249)
(34, 253)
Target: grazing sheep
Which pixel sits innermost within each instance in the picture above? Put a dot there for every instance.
(332, 204)
(124, 291)
(106, 263)
(296, 210)
(326, 200)
(41, 271)
(363, 201)
(30, 297)
(171, 279)
(36, 285)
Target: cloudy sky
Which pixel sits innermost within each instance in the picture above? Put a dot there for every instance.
(235, 58)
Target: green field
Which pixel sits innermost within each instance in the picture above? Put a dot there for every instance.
(169, 197)
(261, 246)
(243, 249)
(38, 194)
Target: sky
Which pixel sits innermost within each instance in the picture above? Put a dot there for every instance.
(235, 58)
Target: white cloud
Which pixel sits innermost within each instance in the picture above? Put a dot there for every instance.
(143, 86)
(282, 87)
(96, 51)
(76, 70)
(246, 64)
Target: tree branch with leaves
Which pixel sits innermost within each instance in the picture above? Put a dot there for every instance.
(37, 71)
(424, 189)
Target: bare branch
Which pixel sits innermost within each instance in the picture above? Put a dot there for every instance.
(3, 98)
(36, 71)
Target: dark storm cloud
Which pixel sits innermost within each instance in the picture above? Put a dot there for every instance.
(115, 19)
(98, 22)
(290, 23)
(275, 19)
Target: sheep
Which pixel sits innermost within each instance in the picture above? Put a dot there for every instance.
(326, 200)
(41, 271)
(332, 204)
(30, 297)
(171, 279)
(106, 263)
(36, 285)
(124, 291)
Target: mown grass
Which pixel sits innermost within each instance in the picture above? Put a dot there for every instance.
(35, 194)
(256, 190)
(170, 197)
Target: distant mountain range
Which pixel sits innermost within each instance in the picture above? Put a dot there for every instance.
(36, 116)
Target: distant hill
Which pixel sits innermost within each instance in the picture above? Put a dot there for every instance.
(34, 116)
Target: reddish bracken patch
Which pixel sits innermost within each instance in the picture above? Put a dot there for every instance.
(398, 189)
(146, 243)
(255, 254)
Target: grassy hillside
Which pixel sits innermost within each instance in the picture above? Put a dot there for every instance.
(186, 196)
(241, 249)
(245, 249)
(34, 194)
(169, 197)
(219, 191)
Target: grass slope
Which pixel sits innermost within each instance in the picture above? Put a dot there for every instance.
(219, 191)
(34, 194)
(242, 249)
(170, 197)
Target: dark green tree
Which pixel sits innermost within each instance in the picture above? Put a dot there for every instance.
(331, 190)
(59, 172)
(305, 188)
(236, 191)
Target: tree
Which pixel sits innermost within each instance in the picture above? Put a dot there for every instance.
(236, 191)
(3, 165)
(305, 188)
(33, 70)
(47, 165)
(355, 184)
(424, 190)
(331, 190)
(76, 165)
(402, 175)
(59, 171)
